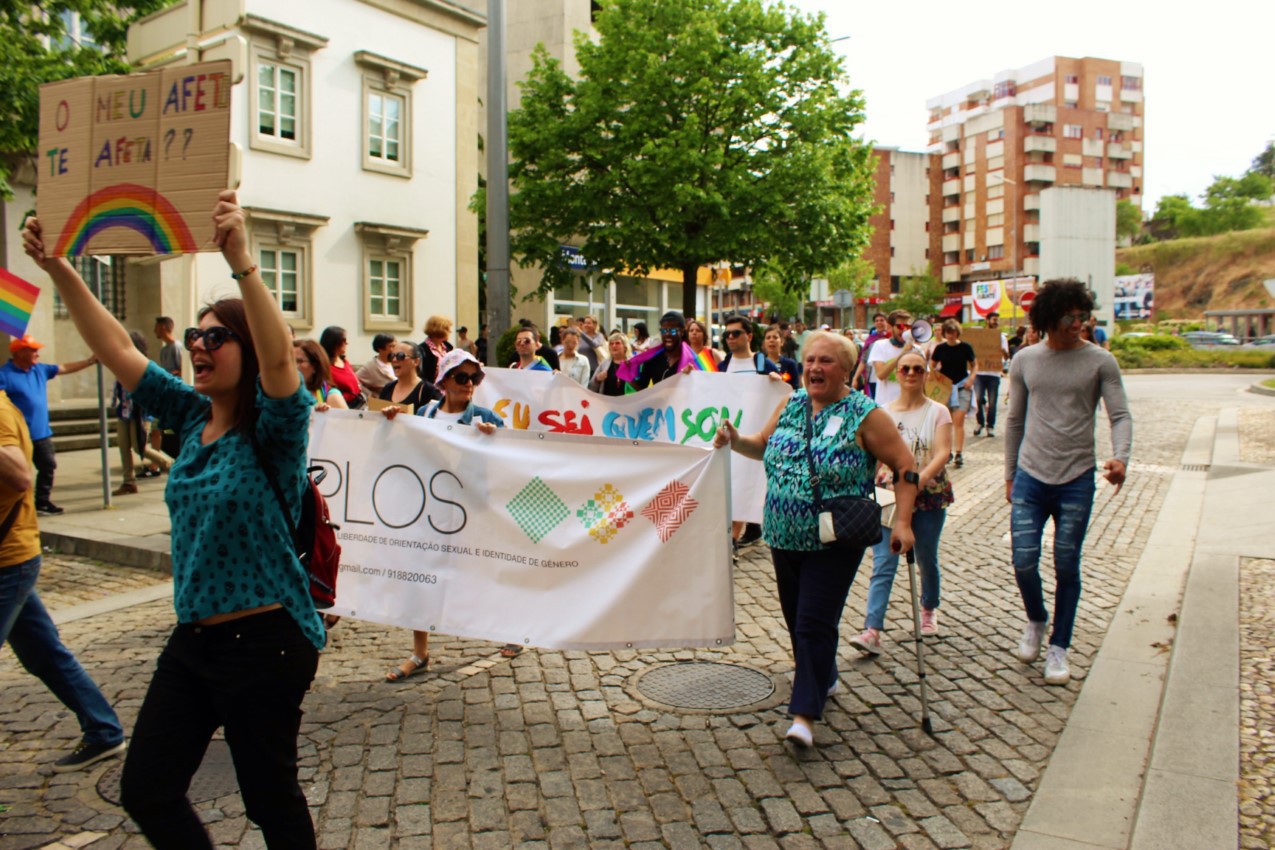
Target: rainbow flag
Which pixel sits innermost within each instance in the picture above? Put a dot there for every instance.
(705, 362)
(17, 301)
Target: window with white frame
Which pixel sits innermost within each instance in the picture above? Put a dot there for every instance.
(387, 275)
(1073, 131)
(279, 87)
(283, 248)
(387, 112)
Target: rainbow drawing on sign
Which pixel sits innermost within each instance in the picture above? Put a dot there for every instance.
(131, 206)
(17, 302)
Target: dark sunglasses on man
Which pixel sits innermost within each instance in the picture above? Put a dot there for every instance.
(732, 334)
(399, 356)
(214, 337)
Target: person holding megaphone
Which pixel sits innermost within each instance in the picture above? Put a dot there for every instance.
(884, 356)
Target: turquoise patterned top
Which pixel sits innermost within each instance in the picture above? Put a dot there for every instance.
(232, 548)
(790, 520)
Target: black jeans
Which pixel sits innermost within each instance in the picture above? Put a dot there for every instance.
(987, 390)
(812, 593)
(45, 460)
(248, 675)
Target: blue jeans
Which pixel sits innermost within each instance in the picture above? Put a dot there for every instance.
(927, 526)
(1069, 505)
(25, 624)
(986, 390)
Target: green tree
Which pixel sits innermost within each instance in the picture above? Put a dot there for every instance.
(1264, 162)
(920, 294)
(774, 287)
(698, 131)
(36, 48)
(1128, 221)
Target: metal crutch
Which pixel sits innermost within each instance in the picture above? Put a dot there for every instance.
(926, 726)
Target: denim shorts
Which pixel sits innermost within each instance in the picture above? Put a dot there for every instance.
(962, 398)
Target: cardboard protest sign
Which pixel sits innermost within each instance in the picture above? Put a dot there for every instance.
(987, 348)
(133, 164)
(938, 387)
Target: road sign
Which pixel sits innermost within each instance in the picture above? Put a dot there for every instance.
(843, 298)
(1025, 300)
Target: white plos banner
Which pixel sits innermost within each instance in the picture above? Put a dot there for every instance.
(685, 409)
(540, 539)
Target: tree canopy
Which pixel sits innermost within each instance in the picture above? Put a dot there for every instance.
(36, 47)
(920, 294)
(1128, 221)
(1264, 162)
(698, 131)
(1228, 205)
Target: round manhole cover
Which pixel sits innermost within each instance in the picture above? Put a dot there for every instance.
(705, 685)
(215, 777)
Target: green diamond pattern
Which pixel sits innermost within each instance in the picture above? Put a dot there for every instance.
(537, 509)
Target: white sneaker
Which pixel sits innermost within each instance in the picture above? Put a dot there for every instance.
(869, 643)
(1056, 671)
(799, 735)
(1033, 636)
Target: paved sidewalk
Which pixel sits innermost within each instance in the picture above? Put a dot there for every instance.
(562, 749)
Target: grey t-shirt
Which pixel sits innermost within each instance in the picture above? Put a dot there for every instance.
(1053, 396)
(170, 358)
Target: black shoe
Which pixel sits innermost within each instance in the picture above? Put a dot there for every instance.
(752, 533)
(958, 461)
(991, 433)
(978, 430)
(48, 509)
(86, 754)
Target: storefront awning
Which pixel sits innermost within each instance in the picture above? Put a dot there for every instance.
(950, 310)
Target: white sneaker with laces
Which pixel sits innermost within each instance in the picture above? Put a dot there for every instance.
(800, 735)
(1056, 670)
(1033, 636)
(869, 643)
(929, 621)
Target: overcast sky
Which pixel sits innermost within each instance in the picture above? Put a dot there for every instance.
(1209, 69)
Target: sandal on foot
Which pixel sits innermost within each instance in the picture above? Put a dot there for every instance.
(510, 650)
(330, 620)
(407, 668)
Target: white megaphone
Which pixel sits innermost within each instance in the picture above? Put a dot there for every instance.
(922, 331)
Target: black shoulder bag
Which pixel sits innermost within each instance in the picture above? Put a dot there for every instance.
(845, 522)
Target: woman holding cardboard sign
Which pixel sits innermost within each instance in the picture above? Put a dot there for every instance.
(247, 640)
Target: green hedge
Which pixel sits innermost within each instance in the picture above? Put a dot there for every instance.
(1159, 342)
(1141, 358)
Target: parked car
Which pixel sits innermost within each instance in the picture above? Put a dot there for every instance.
(1209, 339)
(1262, 342)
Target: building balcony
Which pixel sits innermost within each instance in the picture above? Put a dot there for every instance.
(952, 273)
(1031, 202)
(1040, 113)
(1131, 95)
(952, 187)
(952, 242)
(1031, 232)
(1120, 121)
(1031, 265)
(952, 213)
(1119, 180)
(1115, 150)
(951, 131)
(1041, 173)
(1045, 144)
(952, 160)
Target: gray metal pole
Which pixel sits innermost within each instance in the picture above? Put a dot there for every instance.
(498, 307)
(106, 440)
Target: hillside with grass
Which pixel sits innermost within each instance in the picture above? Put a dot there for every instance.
(1223, 272)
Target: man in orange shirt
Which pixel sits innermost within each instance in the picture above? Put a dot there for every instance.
(24, 622)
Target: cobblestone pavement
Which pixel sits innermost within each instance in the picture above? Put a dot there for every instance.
(560, 749)
(67, 580)
(1257, 704)
(1257, 435)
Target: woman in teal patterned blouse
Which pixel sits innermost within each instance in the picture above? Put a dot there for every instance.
(850, 435)
(247, 639)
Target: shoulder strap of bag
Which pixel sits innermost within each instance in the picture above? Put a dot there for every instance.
(274, 488)
(810, 457)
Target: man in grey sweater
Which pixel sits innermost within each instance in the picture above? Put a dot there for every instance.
(1050, 459)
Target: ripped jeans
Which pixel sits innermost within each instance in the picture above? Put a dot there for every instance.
(1069, 505)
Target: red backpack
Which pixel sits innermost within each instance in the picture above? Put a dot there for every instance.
(314, 538)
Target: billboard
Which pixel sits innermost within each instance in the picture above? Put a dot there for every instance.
(1134, 297)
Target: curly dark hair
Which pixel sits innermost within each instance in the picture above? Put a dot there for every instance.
(1055, 299)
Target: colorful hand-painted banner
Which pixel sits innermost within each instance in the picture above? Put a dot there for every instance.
(17, 302)
(133, 164)
(550, 540)
(685, 409)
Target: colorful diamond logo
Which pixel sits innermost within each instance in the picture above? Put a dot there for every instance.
(537, 509)
(605, 514)
(670, 508)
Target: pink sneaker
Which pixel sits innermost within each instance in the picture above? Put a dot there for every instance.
(929, 621)
(869, 643)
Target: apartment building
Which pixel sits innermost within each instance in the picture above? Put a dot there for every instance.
(906, 239)
(1059, 122)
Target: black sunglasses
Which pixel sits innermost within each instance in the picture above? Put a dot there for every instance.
(214, 337)
(463, 378)
(399, 356)
(733, 334)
